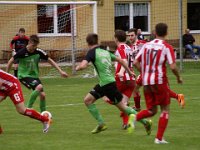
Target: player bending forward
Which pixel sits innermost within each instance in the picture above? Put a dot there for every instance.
(10, 86)
(101, 60)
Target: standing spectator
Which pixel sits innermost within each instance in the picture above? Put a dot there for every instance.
(188, 43)
(151, 60)
(19, 41)
(139, 34)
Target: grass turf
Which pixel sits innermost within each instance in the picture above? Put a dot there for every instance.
(72, 122)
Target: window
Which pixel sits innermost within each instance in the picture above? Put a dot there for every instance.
(54, 20)
(193, 16)
(132, 15)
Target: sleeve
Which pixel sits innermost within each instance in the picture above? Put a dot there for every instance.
(170, 54)
(12, 42)
(122, 53)
(43, 54)
(90, 56)
(113, 57)
(19, 54)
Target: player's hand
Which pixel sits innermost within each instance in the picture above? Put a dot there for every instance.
(64, 74)
(180, 80)
(13, 52)
(131, 73)
(77, 68)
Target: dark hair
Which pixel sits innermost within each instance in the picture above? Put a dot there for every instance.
(133, 30)
(120, 35)
(161, 29)
(92, 39)
(22, 30)
(35, 39)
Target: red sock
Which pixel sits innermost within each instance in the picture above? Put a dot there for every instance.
(137, 101)
(34, 114)
(124, 118)
(162, 124)
(172, 94)
(143, 114)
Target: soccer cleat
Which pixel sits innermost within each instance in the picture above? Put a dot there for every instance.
(99, 128)
(124, 126)
(148, 127)
(131, 123)
(181, 100)
(46, 125)
(157, 141)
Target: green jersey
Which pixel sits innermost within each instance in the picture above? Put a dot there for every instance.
(29, 62)
(102, 61)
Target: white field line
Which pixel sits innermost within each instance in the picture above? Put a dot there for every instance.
(77, 104)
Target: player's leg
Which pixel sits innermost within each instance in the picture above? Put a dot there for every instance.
(162, 124)
(37, 87)
(42, 101)
(136, 93)
(89, 101)
(2, 97)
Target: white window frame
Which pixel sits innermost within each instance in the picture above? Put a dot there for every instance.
(193, 1)
(55, 24)
(131, 15)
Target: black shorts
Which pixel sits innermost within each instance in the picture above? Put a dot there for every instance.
(16, 61)
(30, 83)
(110, 90)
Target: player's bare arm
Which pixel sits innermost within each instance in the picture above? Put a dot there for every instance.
(55, 65)
(82, 65)
(137, 65)
(10, 62)
(175, 71)
(124, 64)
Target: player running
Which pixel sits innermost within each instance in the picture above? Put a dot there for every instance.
(151, 60)
(102, 61)
(18, 42)
(10, 86)
(28, 73)
(136, 46)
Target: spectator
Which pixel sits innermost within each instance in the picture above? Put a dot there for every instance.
(188, 43)
(152, 35)
(139, 35)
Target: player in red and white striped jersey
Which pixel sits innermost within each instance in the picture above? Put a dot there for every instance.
(151, 60)
(10, 86)
(135, 45)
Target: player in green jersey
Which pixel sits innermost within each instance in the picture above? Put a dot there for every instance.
(101, 60)
(28, 70)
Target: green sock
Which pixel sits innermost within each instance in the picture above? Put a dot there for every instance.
(42, 105)
(95, 113)
(32, 99)
(130, 110)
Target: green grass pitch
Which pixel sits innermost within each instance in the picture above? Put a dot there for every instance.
(72, 122)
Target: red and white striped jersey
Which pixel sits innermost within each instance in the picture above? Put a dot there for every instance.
(124, 52)
(153, 57)
(7, 81)
(136, 47)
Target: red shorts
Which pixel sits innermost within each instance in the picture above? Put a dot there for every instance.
(126, 87)
(156, 95)
(139, 80)
(15, 93)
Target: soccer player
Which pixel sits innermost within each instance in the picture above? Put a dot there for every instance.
(19, 41)
(28, 72)
(10, 86)
(136, 46)
(102, 61)
(151, 60)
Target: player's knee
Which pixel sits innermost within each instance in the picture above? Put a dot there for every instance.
(39, 88)
(21, 110)
(42, 96)
(87, 101)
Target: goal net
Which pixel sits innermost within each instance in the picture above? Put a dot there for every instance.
(61, 26)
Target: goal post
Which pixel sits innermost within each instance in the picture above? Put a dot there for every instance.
(61, 26)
